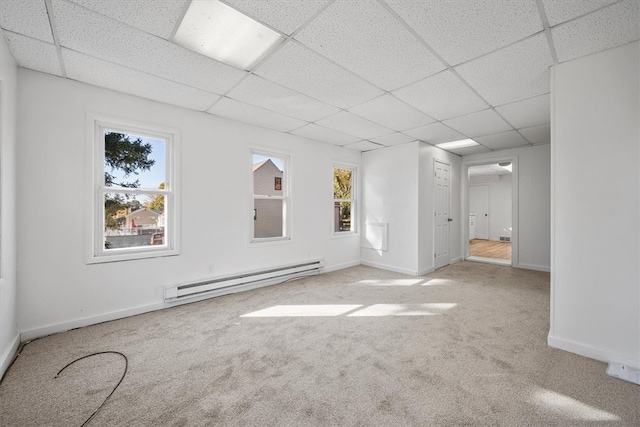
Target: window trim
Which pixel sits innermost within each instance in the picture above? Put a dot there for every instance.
(286, 197)
(95, 189)
(354, 200)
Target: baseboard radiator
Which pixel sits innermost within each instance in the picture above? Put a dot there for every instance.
(241, 282)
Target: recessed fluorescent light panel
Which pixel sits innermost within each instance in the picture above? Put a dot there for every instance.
(220, 32)
(457, 144)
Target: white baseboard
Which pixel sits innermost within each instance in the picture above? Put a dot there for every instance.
(427, 271)
(389, 267)
(342, 266)
(453, 261)
(8, 355)
(533, 267)
(591, 352)
(120, 314)
(92, 320)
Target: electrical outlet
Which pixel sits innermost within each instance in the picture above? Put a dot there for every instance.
(624, 372)
(210, 268)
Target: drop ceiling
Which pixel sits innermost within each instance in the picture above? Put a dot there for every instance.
(359, 74)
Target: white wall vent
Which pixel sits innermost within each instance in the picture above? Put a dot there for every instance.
(241, 282)
(505, 238)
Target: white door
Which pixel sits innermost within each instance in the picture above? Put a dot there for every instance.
(479, 205)
(442, 214)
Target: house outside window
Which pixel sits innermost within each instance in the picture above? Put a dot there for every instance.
(344, 202)
(134, 186)
(270, 194)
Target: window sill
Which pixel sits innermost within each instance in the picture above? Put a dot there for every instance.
(131, 255)
(344, 234)
(270, 241)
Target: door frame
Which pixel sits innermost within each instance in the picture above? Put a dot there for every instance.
(444, 162)
(491, 159)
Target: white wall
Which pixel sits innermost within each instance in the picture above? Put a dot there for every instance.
(534, 203)
(595, 282)
(499, 204)
(398, 189)
(58, 290)
(9, 336)
(390, 195)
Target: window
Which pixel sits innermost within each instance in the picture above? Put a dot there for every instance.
(344, 205)
(134, 205)
(270, 192)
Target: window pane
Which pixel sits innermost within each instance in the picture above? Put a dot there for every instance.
(133, 220)
(267, 175)
(342, 184)
(132, 161)
(342, 216)
(267, 216)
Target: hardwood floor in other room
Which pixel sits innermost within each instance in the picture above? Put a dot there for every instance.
(490, 249)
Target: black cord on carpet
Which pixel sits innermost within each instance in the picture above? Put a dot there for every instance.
(126, 366)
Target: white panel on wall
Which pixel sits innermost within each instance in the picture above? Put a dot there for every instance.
(374, 235)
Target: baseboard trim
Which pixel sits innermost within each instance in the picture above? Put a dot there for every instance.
(591, 352)
(9, 354)
(533, 267)
(427, 271)
(389, 268)
(453, 261)
(134, 311)
(342, 266)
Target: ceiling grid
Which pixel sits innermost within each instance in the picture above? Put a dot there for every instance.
(362, 74)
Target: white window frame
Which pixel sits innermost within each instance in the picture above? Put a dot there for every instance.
(96, 189)
(353, 200)
(286, 197)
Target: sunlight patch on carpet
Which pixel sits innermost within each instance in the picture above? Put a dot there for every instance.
(565, 406)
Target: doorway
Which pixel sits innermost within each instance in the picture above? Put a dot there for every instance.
(490, 204)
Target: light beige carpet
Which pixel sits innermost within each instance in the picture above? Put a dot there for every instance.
(463, 346)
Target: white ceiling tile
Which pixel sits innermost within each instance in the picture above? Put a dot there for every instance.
(537, 134)
(502, 140)
(460, 31)
(34, 54)
(322, 134)
(353, 125)
(246, 113)
(157, 17)
(562, 10)
(28, 17)
(441, 96)
(298, 68)
(483, 122)
(365, 38)
(516, 72)
(393, 139)
(105, 74)
(434, 133)
(363, 146)
(84, 31)
(467, 151)
(610, 27)
(528, 112)
(285, 16)
(265, 94)
(388, 111)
